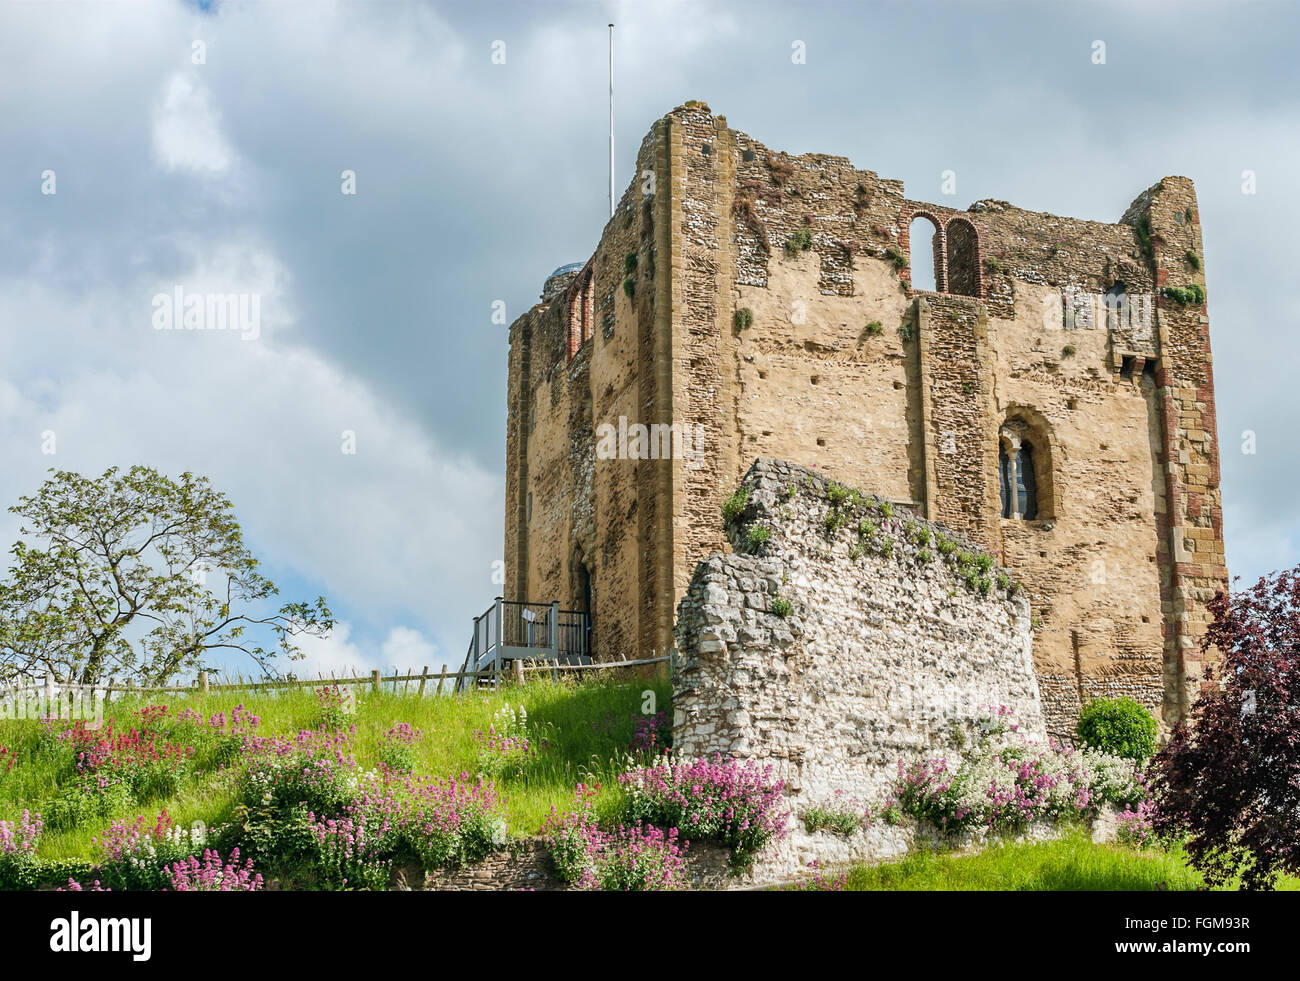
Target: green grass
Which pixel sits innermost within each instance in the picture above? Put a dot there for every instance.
(588, 727)
(1071, 863)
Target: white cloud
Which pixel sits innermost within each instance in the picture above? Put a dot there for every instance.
(408, 649)
(401, 528)
(403, 649)
(187, 132)
(334, 655)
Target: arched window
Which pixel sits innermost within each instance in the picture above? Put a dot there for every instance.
(1016, 479)
(925, 261)
(963, 258)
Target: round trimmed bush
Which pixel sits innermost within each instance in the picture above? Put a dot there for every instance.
(1118, 725)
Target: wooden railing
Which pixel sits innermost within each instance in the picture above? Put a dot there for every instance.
(423, 682)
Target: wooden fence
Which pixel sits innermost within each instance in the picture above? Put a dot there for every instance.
(426, 681)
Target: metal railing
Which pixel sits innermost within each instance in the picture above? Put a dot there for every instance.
(509, 630)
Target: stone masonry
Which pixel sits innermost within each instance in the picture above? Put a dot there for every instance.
(766, 303)
(887, 652)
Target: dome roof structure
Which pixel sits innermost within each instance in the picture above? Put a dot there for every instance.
(558, 280)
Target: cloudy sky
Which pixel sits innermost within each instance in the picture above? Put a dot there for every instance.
(475, 178)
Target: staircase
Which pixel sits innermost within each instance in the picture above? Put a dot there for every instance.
(509, 630)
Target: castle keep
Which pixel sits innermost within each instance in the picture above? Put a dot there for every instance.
(1050, 400)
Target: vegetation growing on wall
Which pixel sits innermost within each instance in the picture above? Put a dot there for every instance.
(1191, 295)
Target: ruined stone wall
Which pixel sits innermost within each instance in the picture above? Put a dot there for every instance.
(885, 653)
(839, 363)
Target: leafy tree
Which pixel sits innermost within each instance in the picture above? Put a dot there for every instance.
(111, 580)
(1232, 778)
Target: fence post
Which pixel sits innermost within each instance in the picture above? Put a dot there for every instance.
(50, 707)
(374, 679)
(518, 668)
(441, 678)
(424, 676)
(555, 628)
(498, 614)
(203, 682)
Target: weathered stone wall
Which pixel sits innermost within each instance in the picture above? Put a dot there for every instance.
(887, 652)
(844, 365)
(565, 510)
(527, 865)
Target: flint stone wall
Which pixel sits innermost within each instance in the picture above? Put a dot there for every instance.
(882, 658)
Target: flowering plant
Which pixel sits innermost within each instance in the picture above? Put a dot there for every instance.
(397, 749)
(631, 858)
(211, 874)
(336, 707)
(737, 803)
(356, 850)
(652, 734)
(137, 856)
(1136, 827)
(1004, 789)
(509, 744)
(452, 821)
(18, 843)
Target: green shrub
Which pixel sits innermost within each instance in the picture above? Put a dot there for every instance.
(629, 264)
(1068, 351)
(1192, 295)
(875, 328)
(756, 536)
(1193, 259)
(629, 287)
(838, 814)
(894, 255)
(800, 241)
(1120, 726)
(905, 330)
(744, 318)
(782, 607)
(734, 506)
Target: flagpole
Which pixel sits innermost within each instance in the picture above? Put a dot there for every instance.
(611, 120)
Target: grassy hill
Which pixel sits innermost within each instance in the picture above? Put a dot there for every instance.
(327, 794)
(573, 733)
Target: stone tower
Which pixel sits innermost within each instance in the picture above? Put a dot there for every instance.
(1052, 398)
